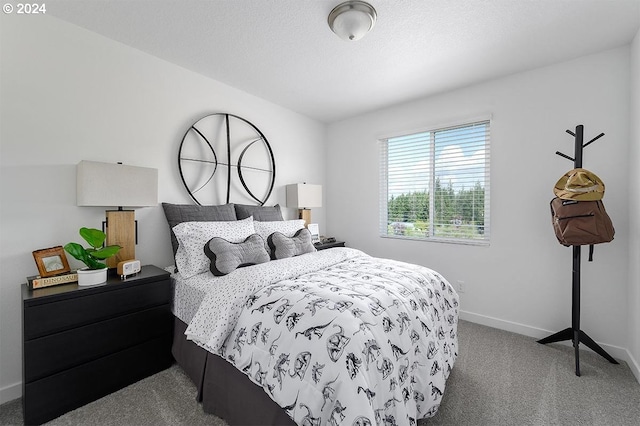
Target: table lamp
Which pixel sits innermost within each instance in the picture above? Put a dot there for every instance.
(117, 185)
(303, 197)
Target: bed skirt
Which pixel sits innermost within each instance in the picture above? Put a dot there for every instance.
(223, 390)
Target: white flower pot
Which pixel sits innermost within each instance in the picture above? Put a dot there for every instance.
(92, 276)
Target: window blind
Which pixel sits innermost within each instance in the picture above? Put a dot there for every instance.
(435, 184)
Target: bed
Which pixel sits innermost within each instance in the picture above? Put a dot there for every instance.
(304, 337)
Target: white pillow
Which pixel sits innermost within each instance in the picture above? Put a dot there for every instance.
(286, 227)
(192, 237)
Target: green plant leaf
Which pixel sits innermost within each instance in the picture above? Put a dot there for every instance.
(92, 256)
(77, 251)
(105, 252)
(94, 237)
(94, 264)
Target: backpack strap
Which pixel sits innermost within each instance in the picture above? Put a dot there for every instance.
(590, 252)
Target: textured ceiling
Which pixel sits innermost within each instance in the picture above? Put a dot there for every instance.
(283, 50)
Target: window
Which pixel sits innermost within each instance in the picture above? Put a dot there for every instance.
(435, 185)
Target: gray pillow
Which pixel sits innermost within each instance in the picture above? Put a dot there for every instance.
(178, 213)
(282, 246)
(226, 257)
(262, 213)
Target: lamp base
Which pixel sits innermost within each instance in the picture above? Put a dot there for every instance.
(306, 215)
(121, 231)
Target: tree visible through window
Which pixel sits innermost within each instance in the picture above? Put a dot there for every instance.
(435, 184)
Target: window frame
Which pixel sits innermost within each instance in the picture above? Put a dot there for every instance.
(384, 183)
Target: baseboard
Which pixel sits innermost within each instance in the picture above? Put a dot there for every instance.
(11, 392)
(538, 333)
(634, 366)
(500, 324)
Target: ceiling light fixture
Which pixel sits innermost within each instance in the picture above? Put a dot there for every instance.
(351, 20)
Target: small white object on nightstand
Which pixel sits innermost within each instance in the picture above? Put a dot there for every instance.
(315, 232)
(128, 267)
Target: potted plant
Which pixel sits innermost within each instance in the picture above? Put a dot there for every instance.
(96, 270)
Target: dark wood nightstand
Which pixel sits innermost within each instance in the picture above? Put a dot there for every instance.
(82, 343)
(324, 246)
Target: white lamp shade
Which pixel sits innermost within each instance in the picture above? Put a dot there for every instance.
(115, 185)
(304, 196)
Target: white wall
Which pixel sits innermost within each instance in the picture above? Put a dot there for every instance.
(634, 208)
(522, 281)
(67, 95)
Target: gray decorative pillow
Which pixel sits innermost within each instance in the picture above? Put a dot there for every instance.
(178, 213)
(282, 246)
(192, 236)
(226, 257)
(286, 227)
(263, 213)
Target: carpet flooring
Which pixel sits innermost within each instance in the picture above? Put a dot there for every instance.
(500, 378)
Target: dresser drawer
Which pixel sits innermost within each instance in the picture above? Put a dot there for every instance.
(45, 318)
(57, 352)
(54, 395)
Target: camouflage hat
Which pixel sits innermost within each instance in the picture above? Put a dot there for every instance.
(579, 185)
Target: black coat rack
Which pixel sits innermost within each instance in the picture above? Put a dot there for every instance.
(574, 333)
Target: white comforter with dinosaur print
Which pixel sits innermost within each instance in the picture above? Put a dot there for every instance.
(336, 337)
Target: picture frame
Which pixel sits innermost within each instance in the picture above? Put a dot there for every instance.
(51, 261)
(314, 229)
